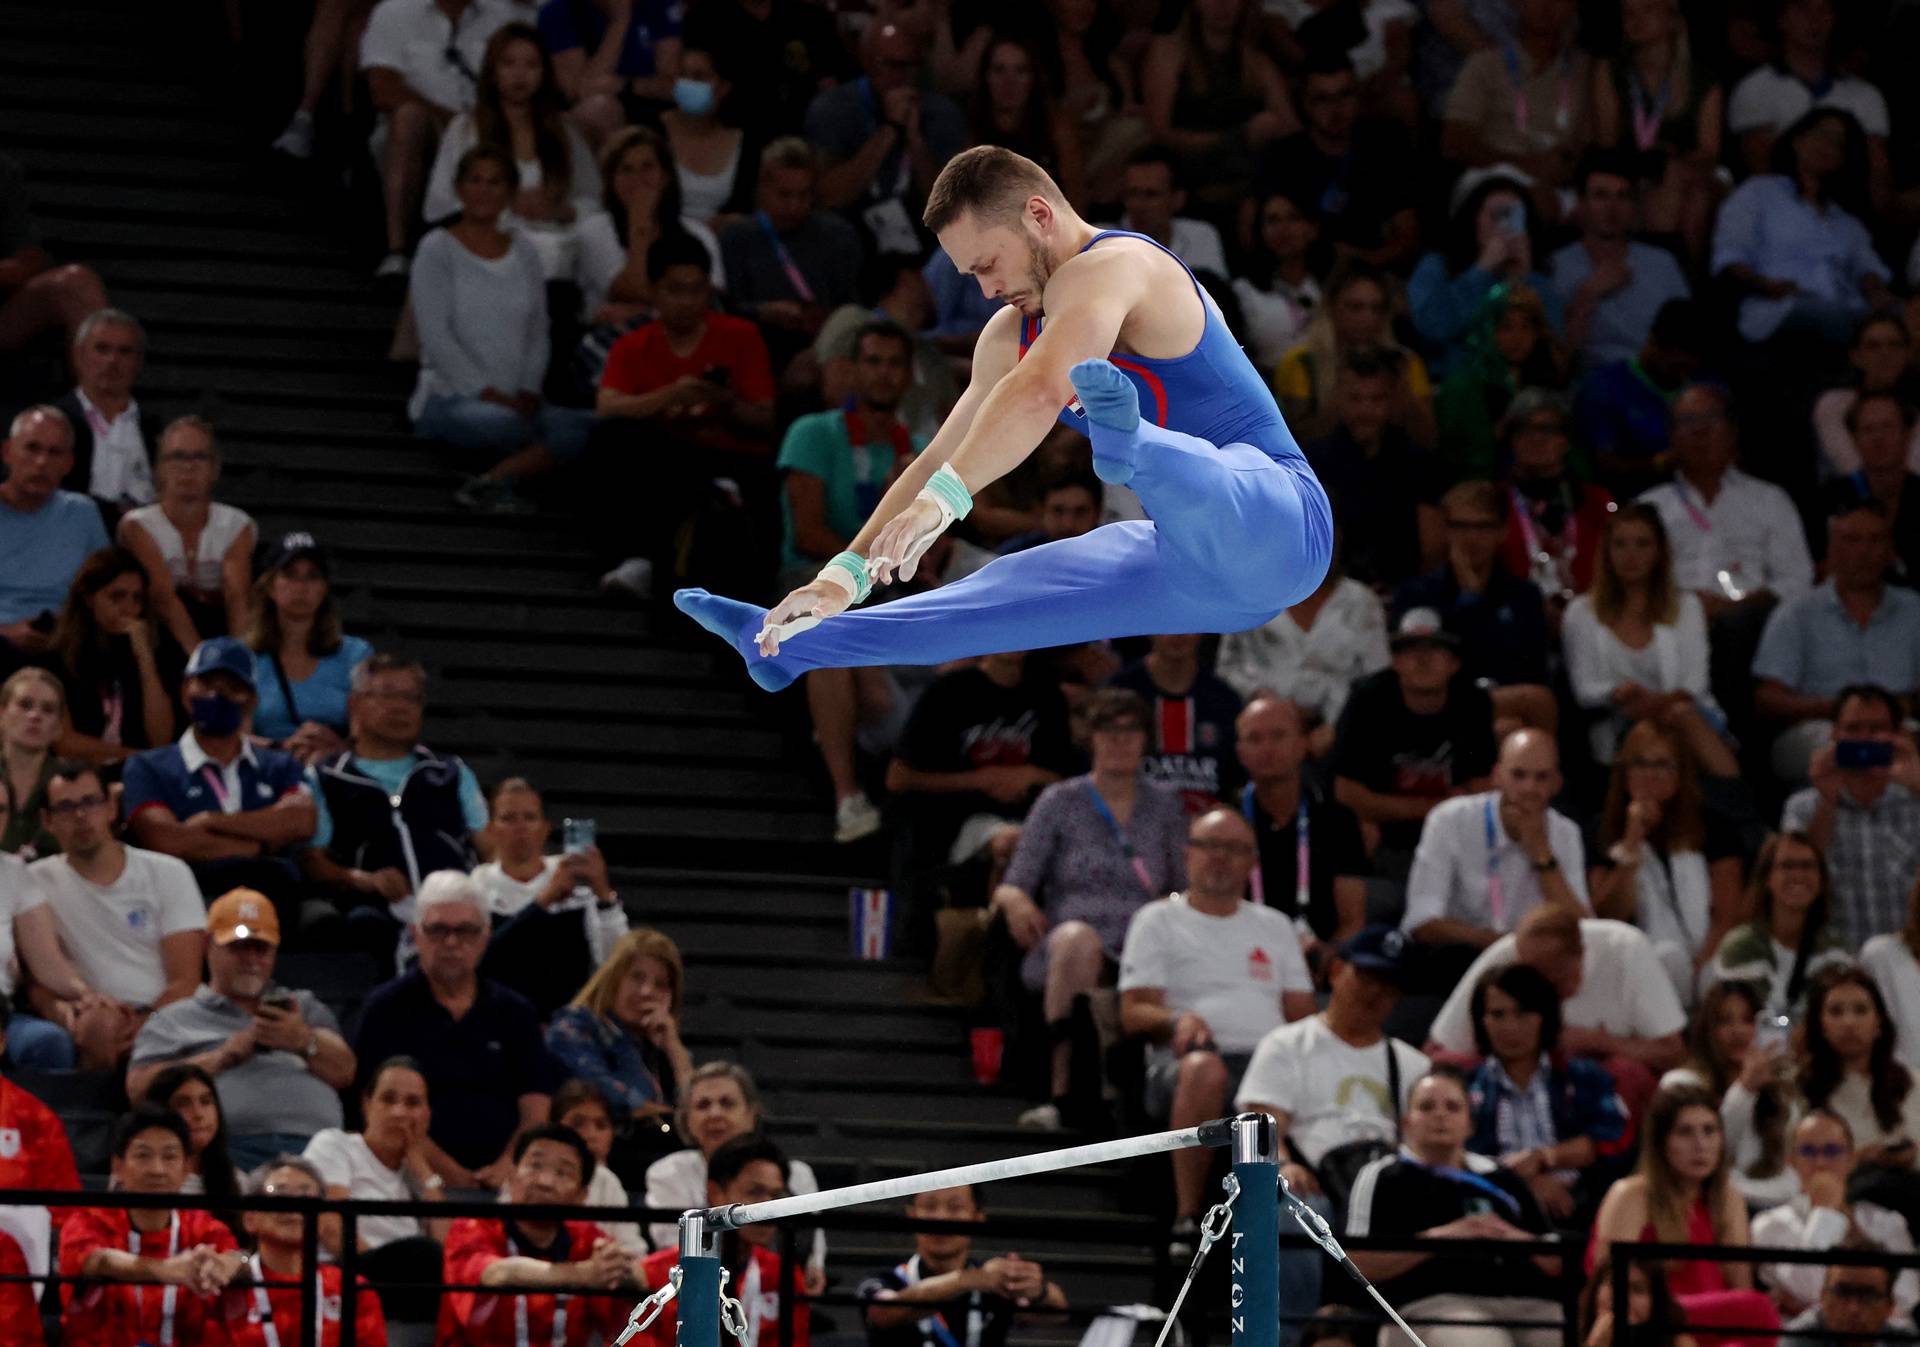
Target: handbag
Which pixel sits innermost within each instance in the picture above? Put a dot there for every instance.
(1339, 1168)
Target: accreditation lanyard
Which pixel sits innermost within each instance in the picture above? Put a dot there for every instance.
(1302, 853)
(171, 1295)
(935, 1325)
(1694, 512)
(1569, 543)
(263, 1305)
(1563, 102)
(794, 277)
(1105, 812)
(559, 1336)
(1496, 890)
(1648, 113)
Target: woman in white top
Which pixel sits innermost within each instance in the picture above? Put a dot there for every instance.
(642, 203)
(1751, 1075)
(1312, 653)
(1894, 961)
(387, 1160)
(521, 874)
(719, 1103)
(709, 157)
(1656, 871)
(519, 107)
(1636, 644)
(1279, 292)
(577, 1104)
(1848, 1068)
(198, 552)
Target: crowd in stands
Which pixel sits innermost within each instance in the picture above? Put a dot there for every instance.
(1554, 866)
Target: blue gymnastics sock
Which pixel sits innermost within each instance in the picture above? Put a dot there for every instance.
(1113, 414)
(737, 624)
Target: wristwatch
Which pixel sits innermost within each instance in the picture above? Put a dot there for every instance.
(611, 901)
(313, 1045)
(434, 1183)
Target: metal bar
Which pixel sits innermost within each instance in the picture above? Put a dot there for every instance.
(1254, 1308)
(1014, 1167)
(698, 1305)
(309, 1270)
(349, 1274)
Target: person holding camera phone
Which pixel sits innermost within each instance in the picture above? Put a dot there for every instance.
(1863, 809)
(275, 1054)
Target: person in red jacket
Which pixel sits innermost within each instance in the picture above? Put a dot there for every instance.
(267, 1313)
(33, 1154)
(578, 1260)
(748, 1168)
(108, 1250)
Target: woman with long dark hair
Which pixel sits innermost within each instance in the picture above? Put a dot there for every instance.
(304, 661)
(1792, 243)
(187, 1090)
(1789, 942)
(1558, 1149)
(1654, 1317)
(1848, 1068)
(641, 205)
(1682, 1194)
(714, 160)
(1013, 107)
(1277, 288)
(1750, 1074)
(1659, 866)
(103, 650)
(1492, 238)
(518, 105)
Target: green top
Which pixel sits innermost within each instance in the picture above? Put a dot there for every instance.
(855, 477)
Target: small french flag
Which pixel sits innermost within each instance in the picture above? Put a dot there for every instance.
(870, 914)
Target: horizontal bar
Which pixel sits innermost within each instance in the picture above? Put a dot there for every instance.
(1216, 1133)
(1766, 1253)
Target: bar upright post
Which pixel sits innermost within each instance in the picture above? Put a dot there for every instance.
(1255, 1234)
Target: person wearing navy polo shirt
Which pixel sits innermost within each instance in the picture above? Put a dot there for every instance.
(232, 811)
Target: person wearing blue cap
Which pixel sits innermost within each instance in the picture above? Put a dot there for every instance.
(230, 810)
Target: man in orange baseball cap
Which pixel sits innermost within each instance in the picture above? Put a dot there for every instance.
(275, 1054)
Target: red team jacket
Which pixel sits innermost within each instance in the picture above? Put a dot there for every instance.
(33, 1154)
(486, 1319)
(245, 1326)
(116, 1314)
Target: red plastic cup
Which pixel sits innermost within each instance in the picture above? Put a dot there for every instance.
(988, 1045)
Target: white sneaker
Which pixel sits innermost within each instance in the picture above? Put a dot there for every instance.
(633, 576)
(854, 818)
(1041, 1117)
(296, 142)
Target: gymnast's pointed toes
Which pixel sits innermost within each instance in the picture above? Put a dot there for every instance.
(1107, 394)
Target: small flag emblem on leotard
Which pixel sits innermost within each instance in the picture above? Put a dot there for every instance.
(871, 913)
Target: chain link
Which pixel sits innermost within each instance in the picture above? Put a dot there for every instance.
(733, 1316)
(649, 1309)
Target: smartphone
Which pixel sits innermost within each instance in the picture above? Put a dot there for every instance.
(277, 998)
(1859, 754)
(577, 835)
(1513, 218)
(1772, 1030)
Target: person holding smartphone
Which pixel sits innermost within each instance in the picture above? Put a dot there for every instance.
(1863, 808)
(275, 1054)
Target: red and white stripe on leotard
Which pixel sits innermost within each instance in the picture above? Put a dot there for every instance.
(1030, 333)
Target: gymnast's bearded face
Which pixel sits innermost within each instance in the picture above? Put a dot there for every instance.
(1009, 256)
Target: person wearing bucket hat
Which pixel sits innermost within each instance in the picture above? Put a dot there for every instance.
(1410, 736)
(1553, 531)
(232, 811)
(275, 1053)
(306, 661)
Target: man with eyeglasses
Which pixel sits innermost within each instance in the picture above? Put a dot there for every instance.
(132, 921)
(391, 810)
(275, 1053)
(1853, 1300)
(1204, 975)
(476, 1040)
(1820, 1216)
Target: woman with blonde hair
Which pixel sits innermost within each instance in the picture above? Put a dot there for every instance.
(622, 1032)
(1663, 869)
(1682, 1194)
(1636, 644)
(33, 707)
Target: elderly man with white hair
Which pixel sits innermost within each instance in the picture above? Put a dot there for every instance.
(477, 1041)
(113, 440)
(45, 532)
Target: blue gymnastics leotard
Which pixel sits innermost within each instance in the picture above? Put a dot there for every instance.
(1238, 530)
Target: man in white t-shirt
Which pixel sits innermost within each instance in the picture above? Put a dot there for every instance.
(1205, 975)
(422, 61)
(132, 921)
(1617, 1003)
(1485, 861)
(1333, 1079)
